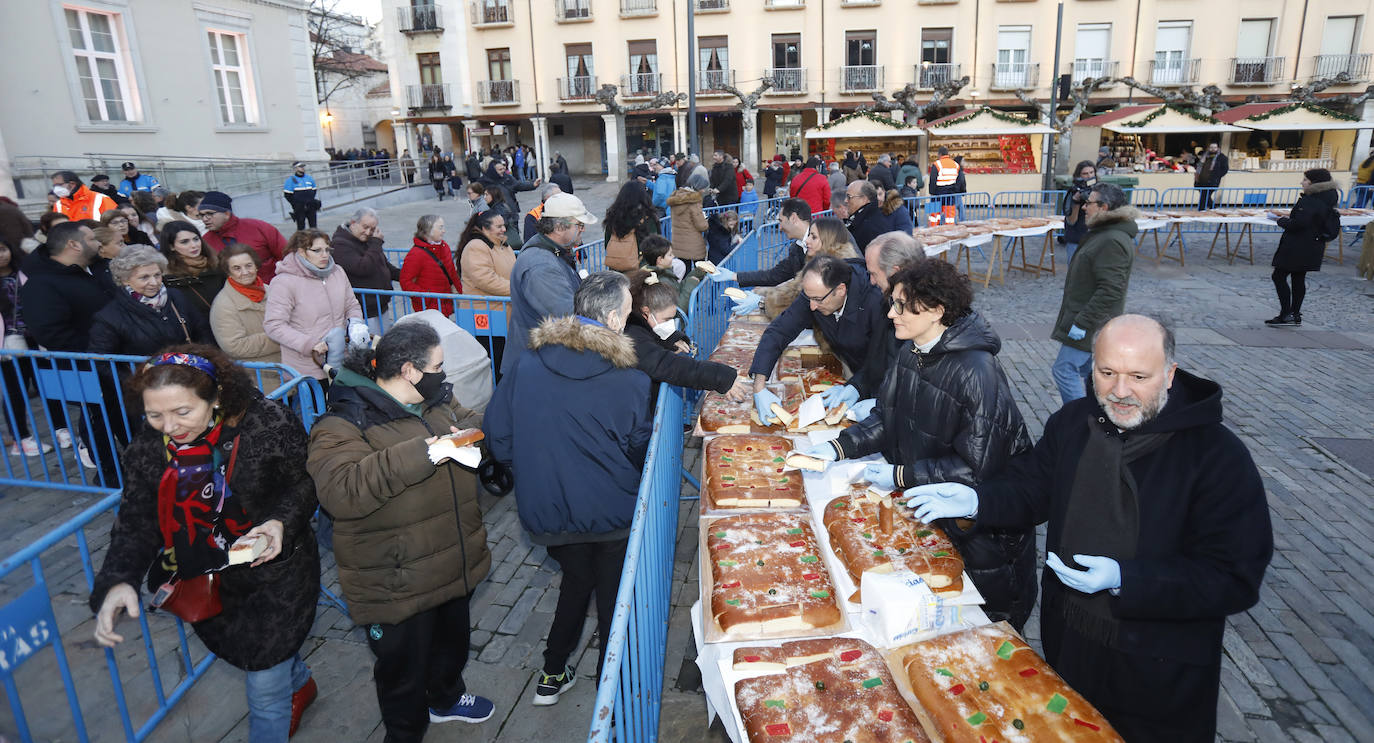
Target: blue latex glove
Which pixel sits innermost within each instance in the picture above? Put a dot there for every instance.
(762, 399)
(723, 274)
(1102, 574)
(842, 394)
(748, 304)
(882, 475)
(863, 408)
(1077, 333)
(824, 452)
(943, 500)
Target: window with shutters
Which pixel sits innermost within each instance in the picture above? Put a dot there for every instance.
(233, 78)
(101, 54)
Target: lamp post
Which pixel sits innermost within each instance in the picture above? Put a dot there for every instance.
(328, 120)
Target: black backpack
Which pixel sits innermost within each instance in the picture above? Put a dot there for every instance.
(1329, 226)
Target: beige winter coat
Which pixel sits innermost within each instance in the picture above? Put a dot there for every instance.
(689, 222)
(236, 322)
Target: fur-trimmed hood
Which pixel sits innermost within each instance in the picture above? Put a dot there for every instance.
(572, 348)
(684, 196)
(1125, 213)
(1312, 189)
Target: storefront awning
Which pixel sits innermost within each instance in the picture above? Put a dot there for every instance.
(1282, 117)
(1158, 120)
(983, 122)
(861, 125)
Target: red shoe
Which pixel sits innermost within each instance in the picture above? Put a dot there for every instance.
(300, 699)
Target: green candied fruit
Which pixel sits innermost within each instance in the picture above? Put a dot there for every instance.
(809, 558)
(870, 683)
(772, 592)
(775, 703)
(1005, 650)
(794, 531)
(924, 533)
(720, 535)
(1018, 724)
(944, 672)
(820, 686)
(759, 563)
(820, 594)
(1057, 704)
(982, 686)
(940, 553)
(978, 718)
(732, 602)
(779, 460)
(867, 535)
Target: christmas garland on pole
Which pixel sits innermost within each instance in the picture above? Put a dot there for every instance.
(862, 113)
(1158, 112)
(1006, 118)
(1302, 105)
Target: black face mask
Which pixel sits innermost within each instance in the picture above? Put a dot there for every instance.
(430, 386)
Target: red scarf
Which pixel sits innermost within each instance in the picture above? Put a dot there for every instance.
(198, 515)
(255, 293)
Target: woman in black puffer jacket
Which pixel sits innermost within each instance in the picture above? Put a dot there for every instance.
(1301, 248)
(945, 413)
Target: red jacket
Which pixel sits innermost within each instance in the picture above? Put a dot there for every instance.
(265, 240)
(740, 177)
(430, 268)
(813, 188)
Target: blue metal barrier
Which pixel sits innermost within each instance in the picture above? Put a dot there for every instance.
(1183, 198)
(1359, 197)
(28, 623)
(83, 395)
(630, 692)
(485, 318)
(1020, 204)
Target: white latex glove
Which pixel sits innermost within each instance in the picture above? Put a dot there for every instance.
(120, 597)
(943, 500)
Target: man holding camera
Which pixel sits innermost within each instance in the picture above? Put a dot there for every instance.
(1075, 217)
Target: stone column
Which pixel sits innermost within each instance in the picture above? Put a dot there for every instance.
(469, 125)
(1362, 137)
(541, 146)
(822, 115)
(679, 131)
(749, 140)
(615, 139)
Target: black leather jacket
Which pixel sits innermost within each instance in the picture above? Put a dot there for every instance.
(948, 415)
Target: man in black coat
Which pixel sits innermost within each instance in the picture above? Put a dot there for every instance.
(839, 301)
(1211, 168)
(794, 220)
(881, 173)
(723, 179)
(945, 412)
(1158, 529)
(498, 177)
(357, 246)
(866, 219)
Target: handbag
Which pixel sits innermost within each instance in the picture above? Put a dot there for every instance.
(191, 599)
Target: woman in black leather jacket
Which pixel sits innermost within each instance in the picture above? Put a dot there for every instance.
(945, 413)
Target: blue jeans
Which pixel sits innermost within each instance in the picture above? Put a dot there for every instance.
(1070, 371)
(269, 699)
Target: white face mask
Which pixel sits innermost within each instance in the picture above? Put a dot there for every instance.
(61, 192)
(666, 328)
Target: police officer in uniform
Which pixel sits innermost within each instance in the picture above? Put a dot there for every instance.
(300, 194)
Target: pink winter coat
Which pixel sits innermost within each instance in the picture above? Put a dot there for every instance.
(301, 309)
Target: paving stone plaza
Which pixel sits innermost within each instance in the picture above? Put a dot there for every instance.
(1299, 666)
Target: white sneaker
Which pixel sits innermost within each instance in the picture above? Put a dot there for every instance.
(64, 438)
(29, 447)
(83, 454)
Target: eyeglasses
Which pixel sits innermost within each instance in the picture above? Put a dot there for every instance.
(1094, 202)
(319, 251)
(813, 300)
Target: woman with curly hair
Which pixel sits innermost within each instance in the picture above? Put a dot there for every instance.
(629, 219)
(945, 413)
(191, 267)
(219, 464)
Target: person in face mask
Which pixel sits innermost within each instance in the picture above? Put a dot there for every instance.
(656, 257)
(75, 200)
(663, 351)
(373, 456)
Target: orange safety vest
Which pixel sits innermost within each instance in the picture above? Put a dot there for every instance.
(947, 171)
(84, 204)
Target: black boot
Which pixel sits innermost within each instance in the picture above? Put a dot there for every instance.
(1283, 318)
(1297, 317)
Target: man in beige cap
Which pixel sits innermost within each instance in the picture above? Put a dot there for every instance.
(545, 276)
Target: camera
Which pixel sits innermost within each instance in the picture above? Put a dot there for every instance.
(1079, 190)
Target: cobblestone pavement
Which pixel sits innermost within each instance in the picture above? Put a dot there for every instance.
(1299, 666)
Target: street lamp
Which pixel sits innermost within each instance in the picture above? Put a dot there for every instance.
(328, 120)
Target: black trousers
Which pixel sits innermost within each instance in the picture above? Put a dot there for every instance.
(419, 665)
(1290, 301)
(302, 216)
(587, 567)
(1204, 198)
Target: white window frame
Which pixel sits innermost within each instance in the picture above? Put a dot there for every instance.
(238, 23)
(220, 70)
(126, 61)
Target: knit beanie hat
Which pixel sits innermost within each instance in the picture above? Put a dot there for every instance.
(1318, 175)
(218, 201)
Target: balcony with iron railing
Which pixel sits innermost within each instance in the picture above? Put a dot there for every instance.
(641, 85)
(579, 88)
(1348, 68)
(861, 78)
(428, 96)
(638, 8)
(931, 74)
(712, 6)
(498, 92)
(1093, 68)
(1015, 75)
(787, 80)
(420, 19)
(572, 11)
(1256, 70)
(713, 82)
(488, 14)
(1175, 72)
(784, 4)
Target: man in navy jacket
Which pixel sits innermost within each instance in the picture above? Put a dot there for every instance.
(1158, 529)
(838, 300)
(572, 420)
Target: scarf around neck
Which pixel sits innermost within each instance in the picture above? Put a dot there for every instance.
(157, 301)
(256, 292)
(319, 273)
(197, 513)
(1102, 518)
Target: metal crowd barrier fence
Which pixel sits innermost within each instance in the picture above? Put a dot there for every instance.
(1185, 198)
(1359, 197)
(76, 401)
(484, 318)
(30, 623)
(630, 692)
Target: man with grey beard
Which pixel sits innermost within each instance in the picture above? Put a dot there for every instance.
(1158, 529)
